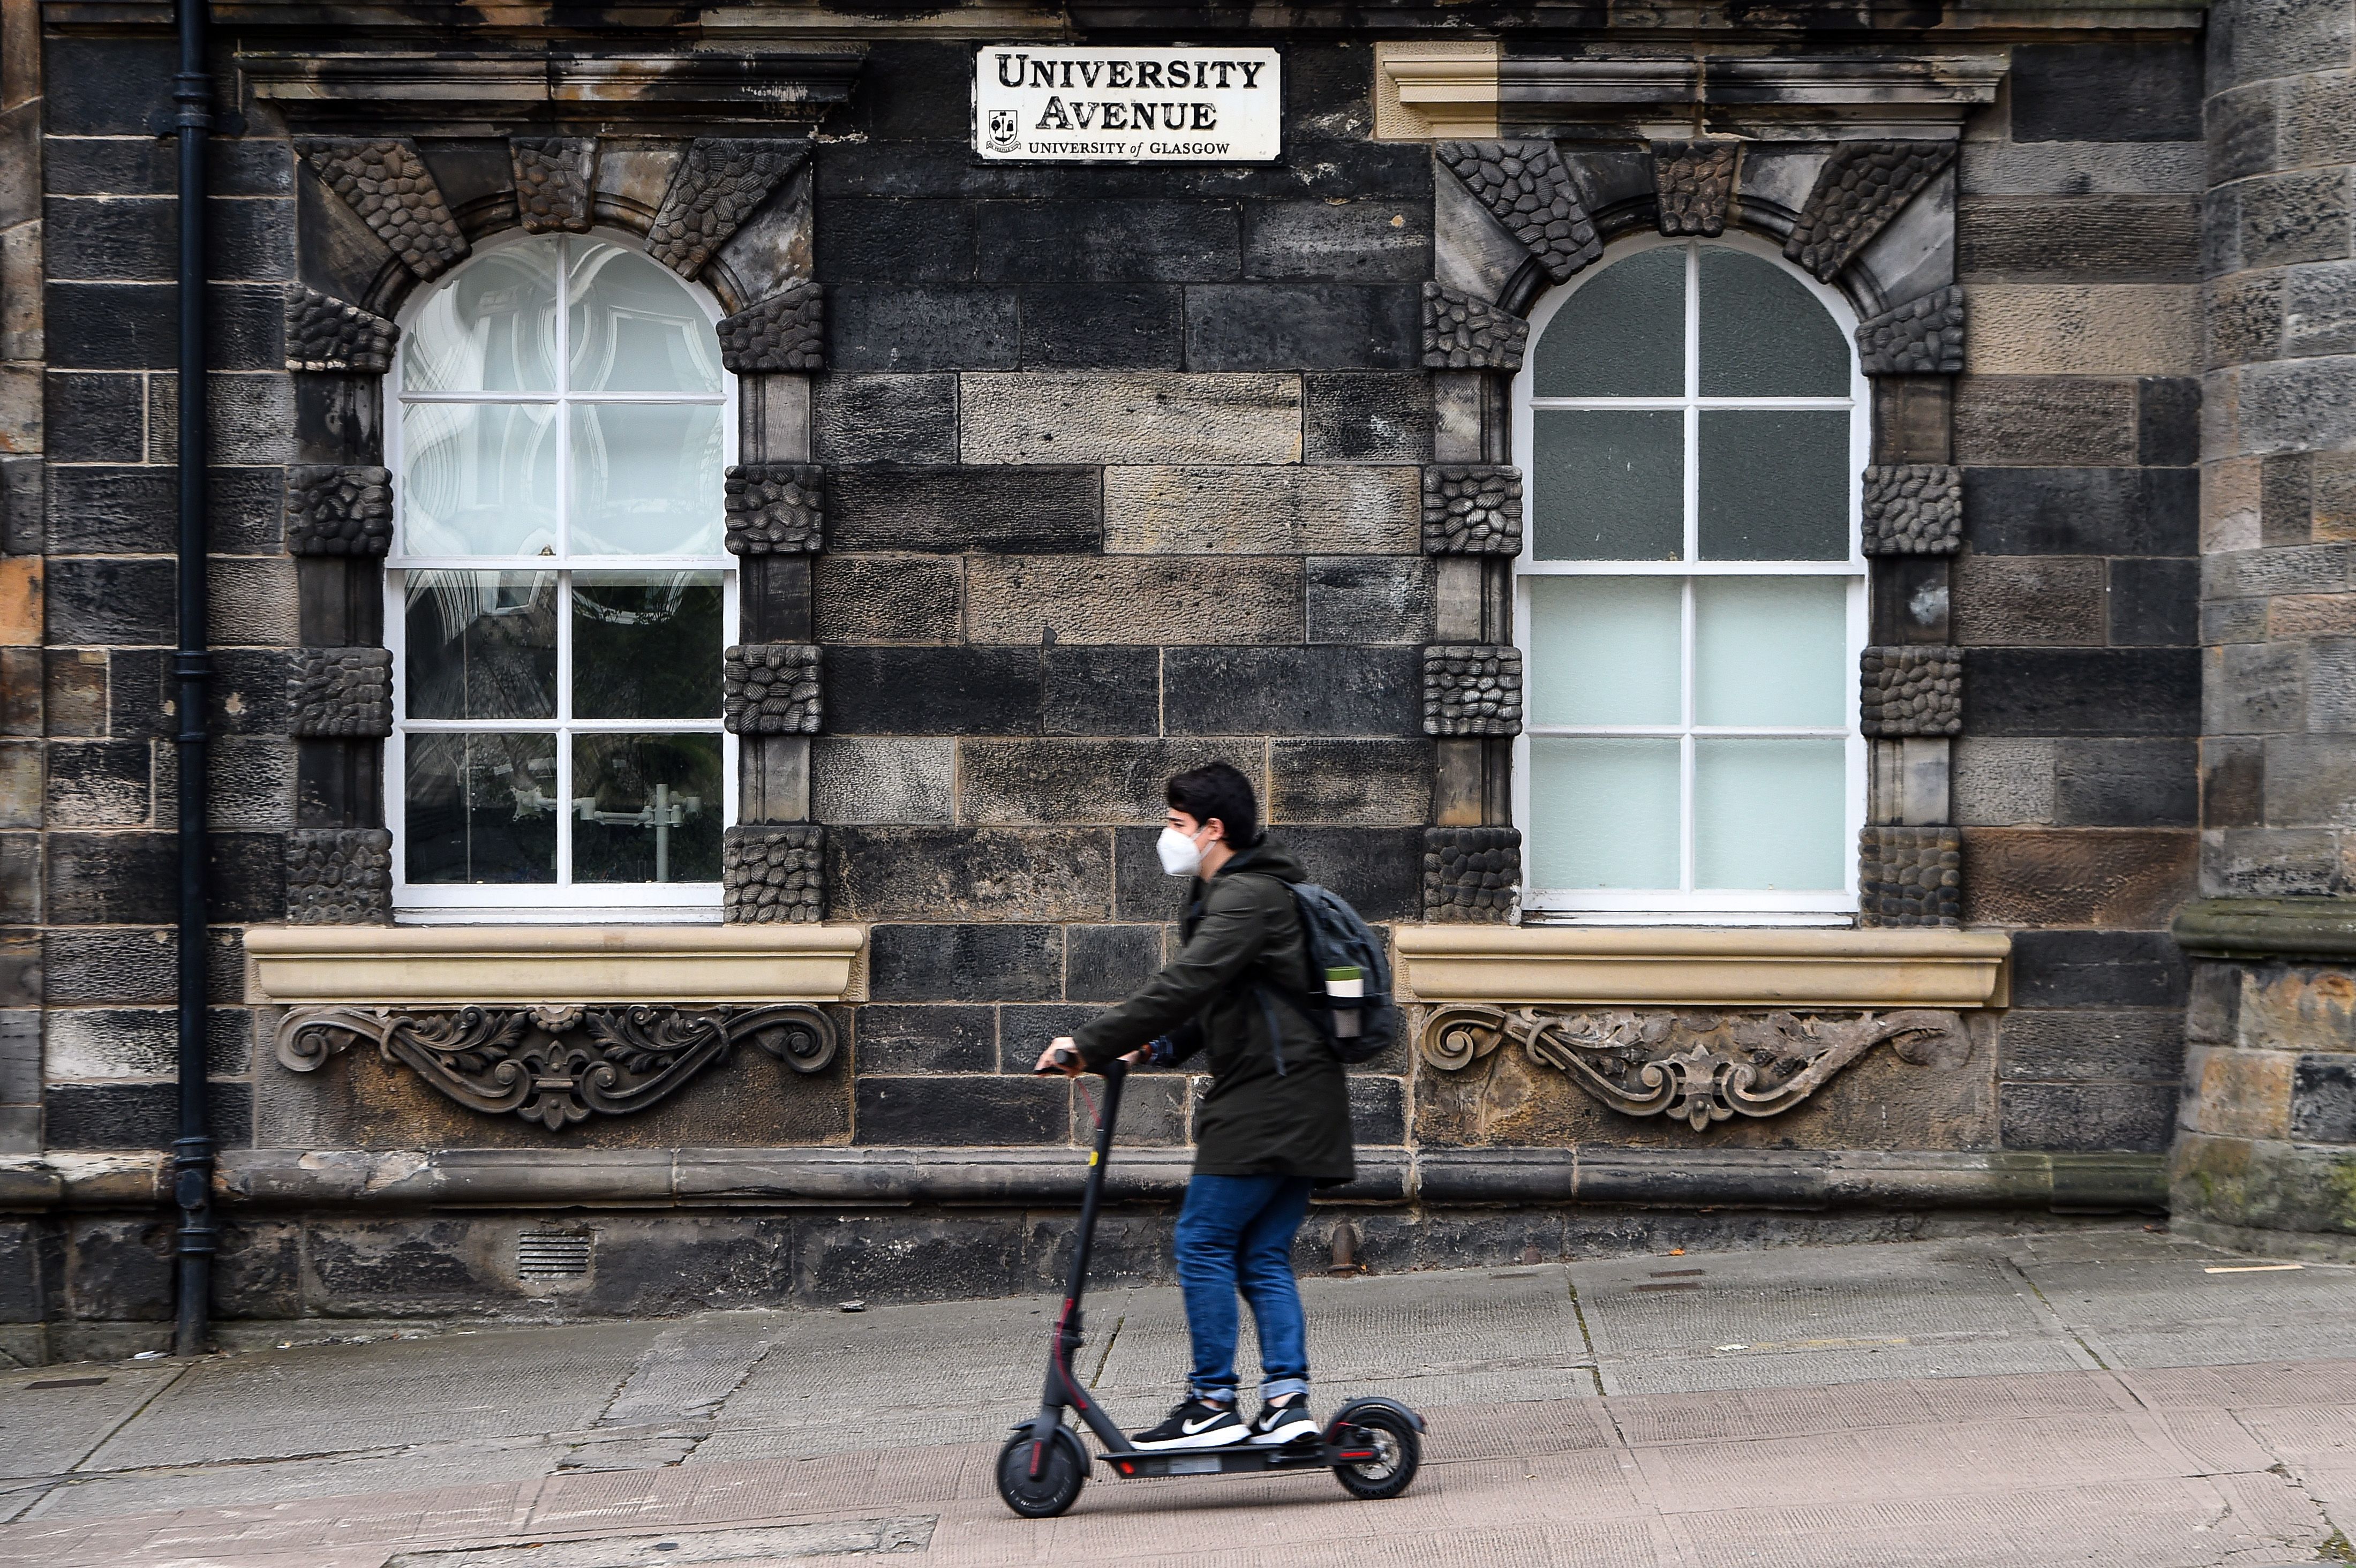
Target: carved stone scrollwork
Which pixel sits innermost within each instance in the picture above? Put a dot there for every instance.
(1696, 1068)
(558, 1065)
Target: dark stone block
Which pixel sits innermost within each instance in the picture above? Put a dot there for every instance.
(1109, 242)
(250, 240)
(1378, 870)
(885, 599)
(124, 238)
(1310, 326)
(962, 1112)
(925, 1039)
(1294, 691)
(82, 967)
(1352, 169)
(2146, 1047)
(1369, 599)
(1109, 963)
(247, 695)
(2084, 1117)
(98, 417)
(100, 602)
(933, 327)
(2082, 511)
(2167, 421)
(773, 597)
(1017, 508)
(2097, 969)
(1154, 1108)
(1142, 891)
(1100, 691)
(896, 243)
(2155, 603)
(1346, 241)
(1378, 1109)
(1912, 601)
(1913, 419)
(1024, 1031)
(912, 92)
(2323, 1099)
(117, 1268)
(1349, 781)
(1367, 417)
(2081, 238)
(130, 326)
(2232, 782)
(965, 963)
(21, 1272)
(2106, 92)
(2081, 691)
(2125, 783)
(139, 1115)
(968, 873)
(120, 878)
(146, 166)
(101, 782)
(932, 691)
(1101, 326)
(104, 86)
(24, 501)
(897, 1257)
(887, 419)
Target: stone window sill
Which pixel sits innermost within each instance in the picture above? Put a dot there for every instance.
(1703, 967)
(379, 965)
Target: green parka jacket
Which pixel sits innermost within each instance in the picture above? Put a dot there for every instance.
(1243, 953)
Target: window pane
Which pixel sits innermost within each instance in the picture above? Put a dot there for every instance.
(634, 327)
(647, 645)
(491, 328)
(647, 808)
(1604, 650)
(646, 479)
(1603, 813)
(481, 808)
(481, 645)
(1623, 334)
(478, 479)
(1610, 484)
(1771, 651)
(1768, 816)
(1774, 484)
(1763, 334)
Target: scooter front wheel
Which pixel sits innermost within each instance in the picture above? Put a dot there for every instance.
(1383, 1452)
(1046, 1487)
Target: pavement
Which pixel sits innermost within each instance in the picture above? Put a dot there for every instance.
(2105, 1396)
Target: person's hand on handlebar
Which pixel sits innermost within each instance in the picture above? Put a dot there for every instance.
(1062, 1056)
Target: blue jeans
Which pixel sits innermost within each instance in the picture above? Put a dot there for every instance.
(1237, 1231)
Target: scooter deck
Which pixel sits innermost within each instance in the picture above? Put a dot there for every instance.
(1306, 1454)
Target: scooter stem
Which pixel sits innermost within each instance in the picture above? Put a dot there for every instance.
(1092, 1199)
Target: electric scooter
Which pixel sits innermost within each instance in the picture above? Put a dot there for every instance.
(1373, 1446)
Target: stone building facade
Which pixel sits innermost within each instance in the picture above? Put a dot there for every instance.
(709, 574)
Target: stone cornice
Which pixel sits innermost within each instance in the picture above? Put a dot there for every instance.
(2321, 929)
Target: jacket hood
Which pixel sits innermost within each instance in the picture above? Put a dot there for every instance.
(1269, 859)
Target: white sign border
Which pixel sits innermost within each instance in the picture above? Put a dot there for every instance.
(974, 129)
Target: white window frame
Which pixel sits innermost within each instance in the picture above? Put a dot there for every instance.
(1686, 905)
(561, 901)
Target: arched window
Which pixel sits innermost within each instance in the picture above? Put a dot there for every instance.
(1691, 595)
(558, 592)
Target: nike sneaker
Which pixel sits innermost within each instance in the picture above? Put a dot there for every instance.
(1286, 1421)
(1194, 1424)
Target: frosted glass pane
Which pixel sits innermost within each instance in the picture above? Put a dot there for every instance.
(480, 808)
(1604, 650)
(1774, 484)
(1771, 651)
(481, 645)
(635, 328)
(489, 327)
(646, 479)
(1763, 334)
(1769, 815)
(1622, 335)
(1607, 484)
(1603, 813)
(479, 478)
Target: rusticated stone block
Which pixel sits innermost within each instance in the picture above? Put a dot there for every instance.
(1912, 691)
(771, 688)
(339, 876)
(345, 692)
(773, 875)
(1471, 508)
(552, 182)
(718, 184)
(335, 510)
(774, 508)
(1471, 689)
(1910, 876)
(1914, 508)
(324, 333)
(1526, 187)
(1461, 333)
(1923, 337)
(1471, 873)
(1860, 188)
(1693, 185)
(392, 190)
(785, 332)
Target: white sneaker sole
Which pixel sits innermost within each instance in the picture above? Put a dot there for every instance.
(1276, 1437)
(1215, 1437)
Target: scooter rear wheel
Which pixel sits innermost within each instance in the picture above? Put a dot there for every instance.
(1063, 1469)
(1390, 1468)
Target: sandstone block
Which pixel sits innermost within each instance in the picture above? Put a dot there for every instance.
(2081, 168)
(1163, 599)
(887, 418)
(969, 873)
(2102, 329)
(885, 599)
(2019, 420)
(2002, 783)
(1142, 417)
(2239, 1094)
(1030, 510)
(1364, 599)
(1349, 781)
(2147, 1047)
(1319, 510)
(900, 780)
(1018, 782)
(2104, 877)
(2012, 600)
(1368, 416)
(2310, 781)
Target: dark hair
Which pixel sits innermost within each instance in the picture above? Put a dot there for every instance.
(1216, 789)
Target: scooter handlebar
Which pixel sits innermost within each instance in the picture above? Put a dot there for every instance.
(1115, 1068)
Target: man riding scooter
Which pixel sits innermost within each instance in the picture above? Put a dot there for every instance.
(1276, 1121)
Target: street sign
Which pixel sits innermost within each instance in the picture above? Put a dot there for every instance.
(1067, 104)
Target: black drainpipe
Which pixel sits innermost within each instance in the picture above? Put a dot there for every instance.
(192, 1150)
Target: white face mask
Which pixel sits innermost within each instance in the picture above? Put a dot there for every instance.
(1180, 856)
